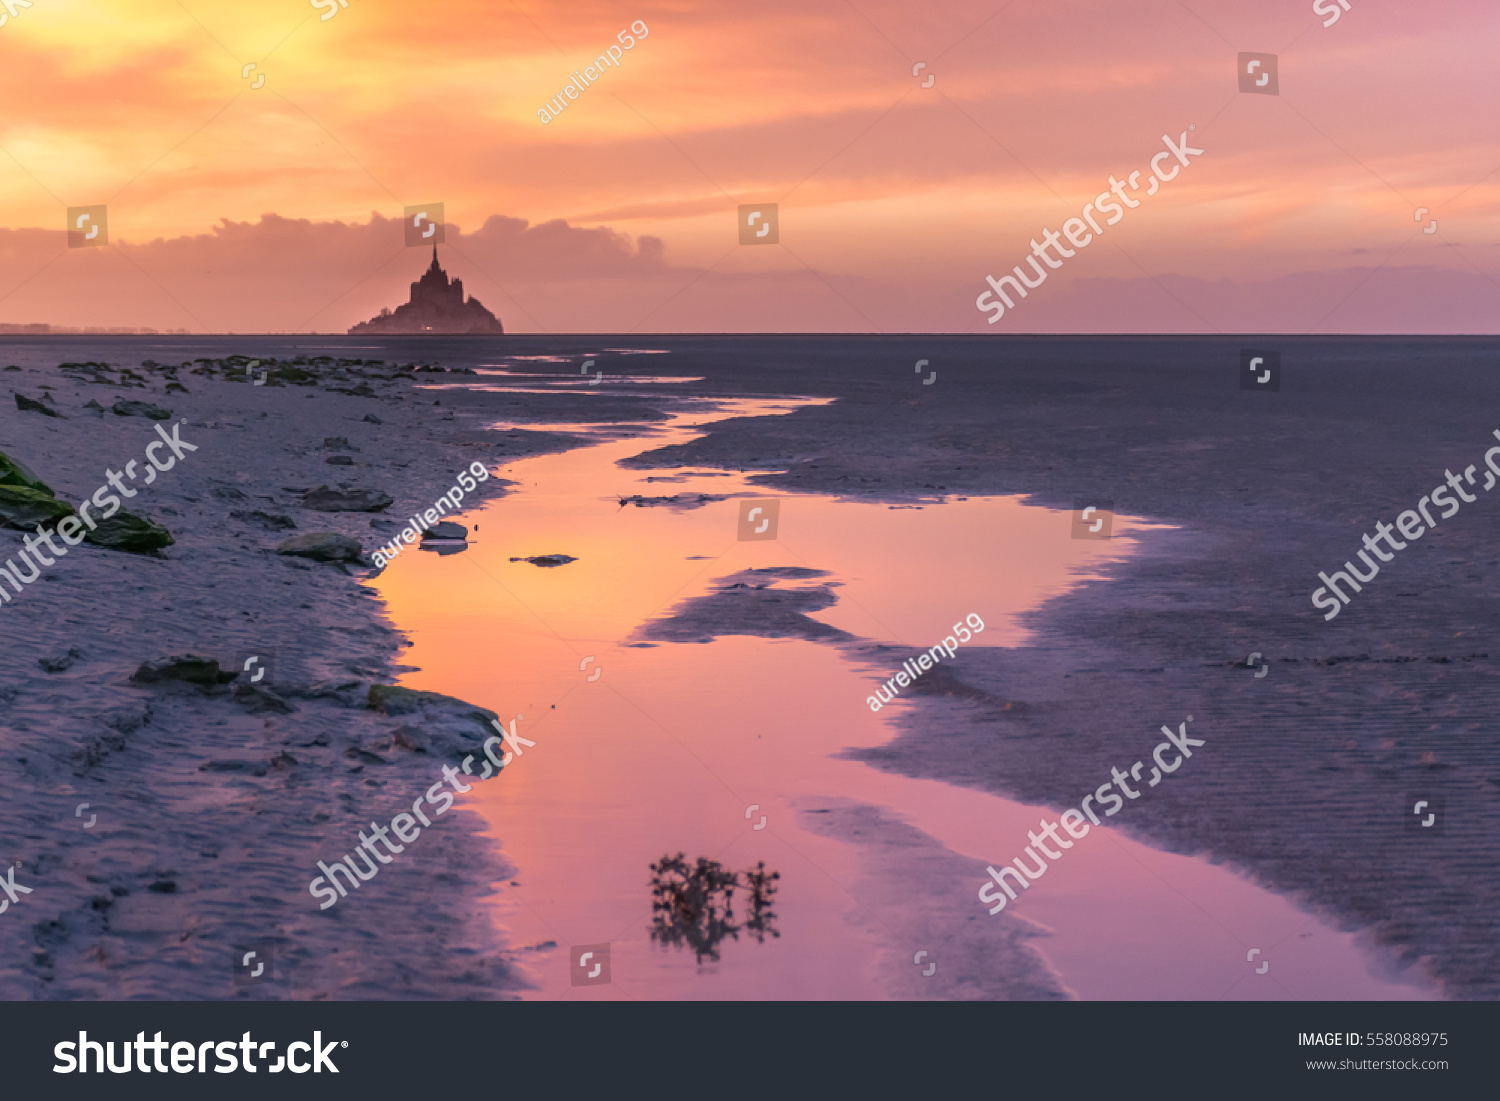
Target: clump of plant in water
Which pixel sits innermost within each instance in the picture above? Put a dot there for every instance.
(693, 904)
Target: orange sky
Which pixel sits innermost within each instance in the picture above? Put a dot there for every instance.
(279, 208)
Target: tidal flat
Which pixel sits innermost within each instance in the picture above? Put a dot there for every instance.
(214, 803)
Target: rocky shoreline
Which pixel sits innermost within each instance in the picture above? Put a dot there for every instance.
(168, 806)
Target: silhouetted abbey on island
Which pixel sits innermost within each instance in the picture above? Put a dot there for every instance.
(436, 306)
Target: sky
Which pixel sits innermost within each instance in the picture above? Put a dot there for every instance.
(241, 204)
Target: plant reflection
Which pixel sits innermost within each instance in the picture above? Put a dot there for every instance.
(693, 905)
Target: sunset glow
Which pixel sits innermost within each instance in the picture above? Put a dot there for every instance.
(273, 208)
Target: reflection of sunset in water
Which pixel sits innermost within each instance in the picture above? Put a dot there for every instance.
(713, 749)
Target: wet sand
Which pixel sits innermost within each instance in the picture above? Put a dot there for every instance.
(207, 812)
(1308, 793)
(1394, 698)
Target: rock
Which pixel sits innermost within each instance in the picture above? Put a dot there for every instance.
(413, 738)
(271, 520)
(446, 726)
(390, 699)
(227, 493)
(323, 499)
(446, 529)
(31, 405)
(295, 375)
(348, 693)
(127, 720)
(204, 672)
(26, 508)
(337, 443)
(123, 408)
(345, 692)
(443, 548)
(364, 756)
(548, 560)
(62, 662)
(257, 700)
(371, 418)
(674, 501)
(125, 531)
(339, 460)
(254, 768)
(323, 546)
(94, 408)
(13, 472)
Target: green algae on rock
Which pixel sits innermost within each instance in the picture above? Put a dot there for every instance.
(124, 531)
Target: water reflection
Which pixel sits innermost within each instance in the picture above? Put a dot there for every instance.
(627, 773)
(693, 905)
